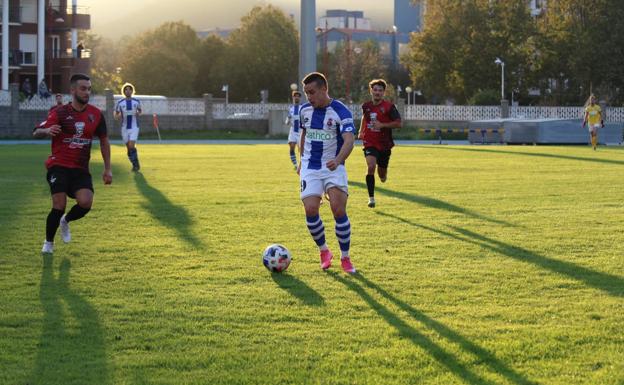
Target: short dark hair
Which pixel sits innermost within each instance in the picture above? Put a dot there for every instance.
(315, 77)
(75, 77)
(377, 82)
(295, 92)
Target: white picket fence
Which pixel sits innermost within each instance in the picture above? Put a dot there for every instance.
(5, 98)
(38, 104)
(187, 106)
(522, 112)
(451, 113)
(470, 113)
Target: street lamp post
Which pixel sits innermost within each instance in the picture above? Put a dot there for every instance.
(501, 63)
(226, 89)
(408, 89)
(395, 48)
(293, 88)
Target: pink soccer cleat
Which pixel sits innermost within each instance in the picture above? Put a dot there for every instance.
(326, 257)
(347, 266)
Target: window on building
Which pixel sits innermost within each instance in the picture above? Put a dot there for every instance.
(28, 47)
(29, 11)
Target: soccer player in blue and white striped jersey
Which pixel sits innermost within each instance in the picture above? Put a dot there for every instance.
(293, 121)
(128, 110)
(327, 137)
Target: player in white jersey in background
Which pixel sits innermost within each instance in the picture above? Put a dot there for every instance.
(327, 137)
(293, 121)
(128, 110)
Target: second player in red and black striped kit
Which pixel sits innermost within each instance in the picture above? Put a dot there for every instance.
(379, 118)
(72, 127)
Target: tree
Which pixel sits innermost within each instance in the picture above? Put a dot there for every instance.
(352, 66)
(454, 55)
(212, 64)
(582, 49)
(262, 54)
(163, 61)
(105, 59)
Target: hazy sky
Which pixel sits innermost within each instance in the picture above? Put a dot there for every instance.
(115, 18)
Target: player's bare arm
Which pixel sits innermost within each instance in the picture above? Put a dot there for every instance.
(47, 132)
(302, 133)
(362, 128)
(107, 175)
(344, 153)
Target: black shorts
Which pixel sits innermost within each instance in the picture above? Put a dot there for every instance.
(68, 180)
(383, 157)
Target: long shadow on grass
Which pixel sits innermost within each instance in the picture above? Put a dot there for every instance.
(166, 212)
(443, 357)
(609, 283)
(298, 289)
(71, 346)
(533, 154)
(433, 203)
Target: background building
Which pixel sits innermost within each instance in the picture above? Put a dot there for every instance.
(408, 16)
(352, 27)
(343, 19)
(43, 42)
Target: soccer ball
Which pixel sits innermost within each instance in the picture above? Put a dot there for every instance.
(276, 258)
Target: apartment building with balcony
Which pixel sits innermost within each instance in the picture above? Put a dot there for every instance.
(42, 41)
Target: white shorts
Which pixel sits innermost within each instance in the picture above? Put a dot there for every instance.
(317, 182)
(129, 135)
(594, 127)
(293, 137)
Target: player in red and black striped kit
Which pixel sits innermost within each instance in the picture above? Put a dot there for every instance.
(72, 128)
(379, 118)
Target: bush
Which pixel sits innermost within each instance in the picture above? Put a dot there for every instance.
(485, 98)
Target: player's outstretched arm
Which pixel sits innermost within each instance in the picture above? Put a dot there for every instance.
(46, 132)
(48, 128)
(107, 175)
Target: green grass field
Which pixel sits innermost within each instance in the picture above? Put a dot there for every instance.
(480, 265)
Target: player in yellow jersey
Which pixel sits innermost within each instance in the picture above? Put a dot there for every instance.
(593, 119)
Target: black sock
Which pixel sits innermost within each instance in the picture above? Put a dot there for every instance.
(370, 183)
(76, 212)
(133, 156)
(52, 223)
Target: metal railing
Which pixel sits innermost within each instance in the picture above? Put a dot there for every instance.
(68, 53)
(15, 57)
(78, 10)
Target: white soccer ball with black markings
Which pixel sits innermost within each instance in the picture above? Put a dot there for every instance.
(276, 258)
